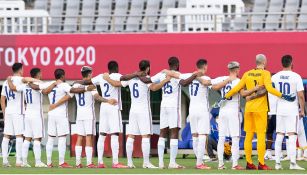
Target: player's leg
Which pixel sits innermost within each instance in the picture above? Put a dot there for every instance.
(7, 133)
(28, 133)
(269, 135)
(302, 140)
(163, 135)
(193, 124)
(62, 132)
(51, 138)
(261, 120)
(89, 126)
(132, 130)
(38, 134)
(104, 128)
(249, 128)
(18, 124)
(223, 132)
(129, 150)
(78, 147)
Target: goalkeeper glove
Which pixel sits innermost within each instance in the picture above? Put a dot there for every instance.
(289, 98)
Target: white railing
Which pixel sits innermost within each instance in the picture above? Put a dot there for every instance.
(24, 21)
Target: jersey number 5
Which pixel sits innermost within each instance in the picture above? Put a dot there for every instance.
(167, 88)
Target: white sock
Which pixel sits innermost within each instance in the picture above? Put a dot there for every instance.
(278, 145)
(115, 148)
(37, 151)
(5, 149)
(173, 150)
(100, 148)
(195, 143)
(49, 149)
(235, 149)
(220, 150)
(19, 142)
(78, 152)
(89, 154)
(62, 149)
(129, 149)
(292, 148)
(305, 152)
(146, 149)
(25, 150)
(287, 146)
(161, 148)
(201, 149)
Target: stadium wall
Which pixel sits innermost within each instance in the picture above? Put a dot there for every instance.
(72, 51)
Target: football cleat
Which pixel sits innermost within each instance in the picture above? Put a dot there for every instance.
(91, 166)
(149, 166)
(119, 165)
(263, 167)
(50, 165)
(131, 166)
(41, 165)
(65, 165)
(238, 167)
(101, 165)
(25, 165)
(251, 166)
(222, 167)
(6, 165)
(79, 166)
(175, 166)
(203, 167)
(294, 166)
(278, 166)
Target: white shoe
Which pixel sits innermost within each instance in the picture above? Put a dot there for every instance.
(175, 166)
(161, 166)
(149, 166)
(41, 165)
(25, 165)
(294, 166)
(222, 167)
(131, 165)
(6, 165)
(285, 158)
(268, 155)
(278, 166)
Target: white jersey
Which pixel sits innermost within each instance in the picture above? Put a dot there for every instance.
(198, 93)
(272, 104)
(171, 91)
(55, 95)
(33, 100)
(234, 101)
(288, 82)
(15, 100)
(109, 91)
(85, 103)
(140, 94)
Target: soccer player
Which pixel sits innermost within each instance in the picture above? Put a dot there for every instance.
(58, 125)
(110, 121)
(288, 82)
(140, 118)
(33, 121)
(229, 121)
(170, 114)
(13, 113)
(255, 118)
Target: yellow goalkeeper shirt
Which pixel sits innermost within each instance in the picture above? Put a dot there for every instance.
(249, 80)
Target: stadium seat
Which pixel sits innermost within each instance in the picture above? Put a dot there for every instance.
(151, 13)
(162, 26)
(87, 18)
(135, 16)
(71, 16)
(104, 11)
(273, 20)
(289, 20)
(182, 3)
(302, 22)
(56, 11)
(41, 4)
(257, 20)
(240, 23)
(120, 14)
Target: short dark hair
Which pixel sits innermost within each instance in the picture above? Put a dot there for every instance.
(16, 67)
(112, 66)
(201, 62)
(143, 65)
(286, 61)
(34, 72)
(86, 73)
(173, 61)
(59, 73)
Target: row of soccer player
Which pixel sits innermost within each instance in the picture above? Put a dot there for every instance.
(140, 119)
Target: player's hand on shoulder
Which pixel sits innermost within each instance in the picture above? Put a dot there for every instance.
(58, 82)
(112, 101)
(231, 78)
(106, 75)
(198, 73)
(90, 88)
(52, 107)
(289, 98)
(9, 78)
(140, 73)
(168, 78)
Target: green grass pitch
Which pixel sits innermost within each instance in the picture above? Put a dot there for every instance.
(188, 162)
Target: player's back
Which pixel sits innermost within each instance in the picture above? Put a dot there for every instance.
(55, 95)
(140, 94)
(34, 100)
(85, 103)
(252, 78)
(15, 100)
(288, 82)
(199, 94)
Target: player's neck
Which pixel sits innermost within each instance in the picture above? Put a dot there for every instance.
(17, 74)
(287, 69)
(260, 67)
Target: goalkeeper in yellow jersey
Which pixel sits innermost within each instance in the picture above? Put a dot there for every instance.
(255, 118)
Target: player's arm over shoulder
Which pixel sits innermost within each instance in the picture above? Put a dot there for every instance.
(268, 84)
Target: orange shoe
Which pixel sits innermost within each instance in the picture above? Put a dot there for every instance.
(91, 166)
(65, 165)
(101, 165)
(203, 167)
(251, 166)
(263, 167)
(50, 165)
(119, 165)
(79, 166)
(238, 167)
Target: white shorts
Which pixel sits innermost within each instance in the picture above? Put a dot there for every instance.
(13, 124)
(34, 127)
(286, 124)
(86, 127)
(200, 121)
(140, 123)
(170, 117)
(110, 120)
(229, 123)
(58, 125)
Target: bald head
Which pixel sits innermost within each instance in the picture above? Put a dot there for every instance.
(260, 59)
